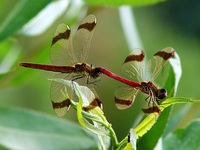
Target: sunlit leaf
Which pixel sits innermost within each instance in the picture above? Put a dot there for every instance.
(177, 100)
(128, 23)
(96, 127)
(86, 118)
(22, 12)
(131, 145)
(80, 116)
(123, 2)
(176, 66)
(147, 123)
(25, 129)
(128, 146)
(45, 18)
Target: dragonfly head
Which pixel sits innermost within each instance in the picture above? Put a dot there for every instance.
(161, 93)
(95, 73)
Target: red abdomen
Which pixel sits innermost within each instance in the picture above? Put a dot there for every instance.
(63, 69)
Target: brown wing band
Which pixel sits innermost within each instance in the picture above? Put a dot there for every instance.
(138, 58)
(151, 110)
(64, 35)
(164, 55)
(65, 103)
(95, 103)
(123, 102)
(87, 26)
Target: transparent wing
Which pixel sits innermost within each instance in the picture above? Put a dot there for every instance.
(133, 67)
(61, 52)
(82, 38)
(89, 97)
(61, 95)
(158, 61)
(124, 97)
(150, 104)
(63, 91)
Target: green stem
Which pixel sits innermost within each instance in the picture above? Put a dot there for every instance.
(124, 141)
(100, 118)
(113, 136)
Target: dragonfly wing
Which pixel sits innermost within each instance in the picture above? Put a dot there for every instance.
(133, 66)
(61, 94)
(150, 104)
(61, 52)
(158, 61)
(83, 36)
(90, 98)
(124, 97)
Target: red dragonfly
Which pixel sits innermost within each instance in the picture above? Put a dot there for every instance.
(68, 58)
(135, 69)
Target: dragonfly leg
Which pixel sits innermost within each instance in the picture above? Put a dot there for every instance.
(157, 100)
(76, 77)
(92, 82)
(146, 99)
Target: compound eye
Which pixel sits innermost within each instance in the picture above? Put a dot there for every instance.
(162, 94)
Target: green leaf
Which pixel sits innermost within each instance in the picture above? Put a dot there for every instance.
(183, 139)
(174, 120)
(21, 13)
(97, 128)
(85, 96)
(45, 18)
(128, 146)
(133, 138)
(150, 120)
(25, 129)
(123, 2)
(177, 100)
(160, 124)
(177, 70)
(146, 124)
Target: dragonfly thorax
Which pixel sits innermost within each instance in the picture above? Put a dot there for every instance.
(87, 70)
(150, 89)
(82, 68)
(95, 73)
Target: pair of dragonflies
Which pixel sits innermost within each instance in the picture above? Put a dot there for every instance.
(68, 57)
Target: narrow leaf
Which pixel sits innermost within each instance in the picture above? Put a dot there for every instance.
(176, 66)
(177, 100)
(123, 2)
(84, 123)
(146, 124)
(22, 12)
(133, 138)
(45, 18)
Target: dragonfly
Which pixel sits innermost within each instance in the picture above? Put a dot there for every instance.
(140, 77)
(68, 56)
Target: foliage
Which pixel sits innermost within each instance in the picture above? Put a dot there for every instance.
(123, 2)
(34, 130)
(23, 12)
(179, 138)
(20, 128)
(35, 127)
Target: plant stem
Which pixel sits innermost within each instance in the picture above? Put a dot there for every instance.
(124, 141)
(103, 121)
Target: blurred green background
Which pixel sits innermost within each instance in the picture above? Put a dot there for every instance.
(172, 23)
